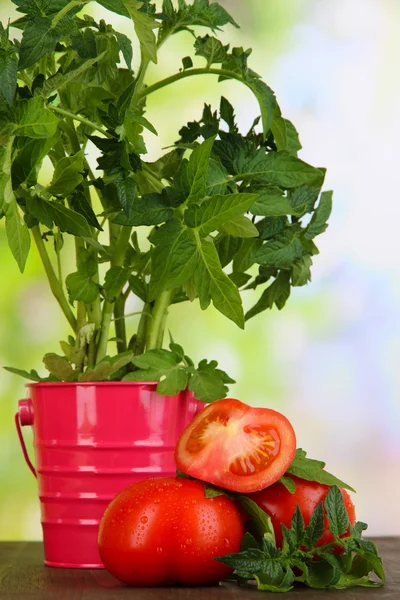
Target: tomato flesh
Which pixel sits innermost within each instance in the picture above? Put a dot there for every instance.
(280, 505)
(164, 530)
(237, 447)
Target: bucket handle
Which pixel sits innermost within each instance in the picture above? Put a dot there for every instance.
(24, 416)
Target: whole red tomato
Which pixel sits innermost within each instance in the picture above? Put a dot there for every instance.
(235, 446)
(164, 530)
(280, 505)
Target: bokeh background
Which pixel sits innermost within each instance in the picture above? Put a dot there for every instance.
(329, 360)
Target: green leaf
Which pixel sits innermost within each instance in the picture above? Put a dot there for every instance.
(34, 120)
(81, 287)
(67, 175)
(336, 511)
(261, 519)
(318, 223)
(41, 210)
(297, 527)
(144, 25)
(125, 46)
(40, 37)
(240, 226)
(301, 271)
(59, 367)
(18, 236)
(277, 293)
(208, 383)
(115, 279)
(313, 470)
(175, 382)
(281, 168)
(116, 6)
(32, 375)
(197, 170)
(274, 205)
(174, 259)
(162, 360)
(6, 191)
(68, 220)
(292, 138)
(224, 293)
(211, 49)
(107, 367)
(215, 211)
(303, 198)
(8, 72)
(315, 528)
(80, 204)
(282, 251)
(28, 160)
(217, 178)
(288, 483)
(148, 210)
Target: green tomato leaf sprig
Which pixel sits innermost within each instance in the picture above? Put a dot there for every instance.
(301, 560)
(311, 470)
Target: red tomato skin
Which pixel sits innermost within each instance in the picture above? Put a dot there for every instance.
(227, 434)
(164, 530)
(280, 505)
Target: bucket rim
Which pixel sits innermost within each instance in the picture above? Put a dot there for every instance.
(72, 384)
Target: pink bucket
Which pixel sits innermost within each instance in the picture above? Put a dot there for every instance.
(91, 440)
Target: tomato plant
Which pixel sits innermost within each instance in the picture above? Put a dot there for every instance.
(280, 505)
(236, 447)
(164, 530)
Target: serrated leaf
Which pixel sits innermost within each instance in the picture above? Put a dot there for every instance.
(208, 383)
(8, 73)
(67, 175)
(7, 195)
(336, 511)
(174, 382)
(28, 160)
(40, 37)
(68, 220)
(315, 528)
(32, 375)
(174, 259)
(223, 292)
(81, 287)
(80, 204)
(260, 518)
(276, 293)
(115, 279)
(59, 366)
(18, 236)
(301, 271)
(215, 211)
(149, 210)
(144, 25)
(210, 48)
(34, 119)
(282, 251)
(318, 223)
(293, 144)
(60, 80)
(197, 170)
(282, 169)
(297, 527)
(41, 210)
(162, 360)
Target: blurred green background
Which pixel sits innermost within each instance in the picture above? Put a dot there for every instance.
(329, 360)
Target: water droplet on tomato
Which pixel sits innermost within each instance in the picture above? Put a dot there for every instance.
(144, 519)
(189, 541)
(227, 542)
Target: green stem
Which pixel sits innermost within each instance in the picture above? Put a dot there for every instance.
(108, 307)
(67, 113)
(119, 323)
(158, 314)
(190, 73)
(142, 329)
(55, 285)
(156, 183)
(72, 4)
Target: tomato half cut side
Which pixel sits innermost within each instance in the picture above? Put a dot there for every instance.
(237, 447)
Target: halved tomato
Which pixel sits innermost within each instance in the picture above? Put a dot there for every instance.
(237, 447)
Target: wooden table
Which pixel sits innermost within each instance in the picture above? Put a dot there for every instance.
(24, 577)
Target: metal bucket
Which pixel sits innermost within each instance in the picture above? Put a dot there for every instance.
(91, 440)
